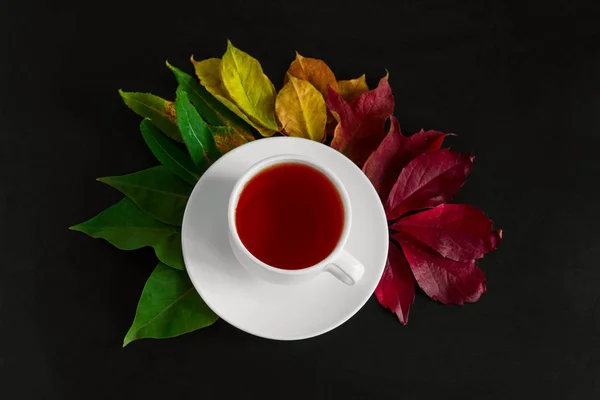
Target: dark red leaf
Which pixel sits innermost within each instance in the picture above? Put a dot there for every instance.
(395, 151)
(442, 279)
(361, 125)
(456, 231)
(428, 180)
(396, 289)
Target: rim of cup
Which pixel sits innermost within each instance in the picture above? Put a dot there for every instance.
(289, 159)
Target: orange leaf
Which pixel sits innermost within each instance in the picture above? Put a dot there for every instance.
(314, 71)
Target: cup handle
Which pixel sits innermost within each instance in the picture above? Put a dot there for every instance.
(346, 268)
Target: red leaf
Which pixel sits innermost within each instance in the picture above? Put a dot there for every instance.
(361, 125)
(456, 231)
(396, 289)
(442, 279)
(428, 180)
(395, 151)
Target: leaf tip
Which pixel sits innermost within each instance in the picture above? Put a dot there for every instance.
(500, 233)
(403, 319)
(129, 337)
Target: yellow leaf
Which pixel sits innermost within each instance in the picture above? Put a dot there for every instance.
(209, 73)
(301, 109)
(314, 71)
(353, 88)
(249, 88)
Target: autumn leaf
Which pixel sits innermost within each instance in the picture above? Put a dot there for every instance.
(395, 151)
(361, 125)
(301, 110)
(428, 180)
(209, 73)
(353, 88)
(314, 71)
(228, 139)
(396, 289)
(456, 231)
(442, 279)
(248, 87)
(239, 83)
(439, 246)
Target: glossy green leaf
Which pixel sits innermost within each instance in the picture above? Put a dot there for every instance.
(169, 251)
(169, 306)
(126, 227)
(157, 191)
(229, 130)
(195, 131)
(169, 154)
(211, 109)
(158, 110)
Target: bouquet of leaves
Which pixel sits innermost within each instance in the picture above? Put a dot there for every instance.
(433, 244)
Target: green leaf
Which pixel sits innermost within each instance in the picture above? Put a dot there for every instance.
(169, 154)
(211, 109)
(157, 191)
(158, 110)
(169, 306)
(195, 132)
(126, 227)
(229, 130)
(169, 251)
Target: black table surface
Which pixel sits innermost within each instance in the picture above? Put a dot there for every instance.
(519, 82)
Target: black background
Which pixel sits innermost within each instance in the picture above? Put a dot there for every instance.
(519, 82)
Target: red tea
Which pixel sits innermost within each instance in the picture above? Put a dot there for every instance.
(290, 216)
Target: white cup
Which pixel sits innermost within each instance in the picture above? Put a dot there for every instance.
(339, 262)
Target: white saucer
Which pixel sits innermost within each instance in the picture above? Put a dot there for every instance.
(269, 310)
